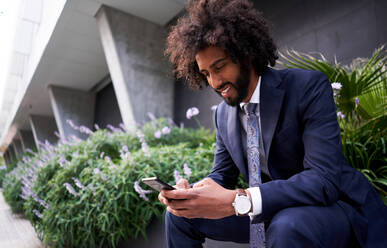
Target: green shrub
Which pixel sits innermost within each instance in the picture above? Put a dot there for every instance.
(361, 97)
(12, 185)
(106, 208)
(109, 209)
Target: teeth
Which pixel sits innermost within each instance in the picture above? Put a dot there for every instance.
(226, 89)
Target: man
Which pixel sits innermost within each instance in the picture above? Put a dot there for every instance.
(279, 130)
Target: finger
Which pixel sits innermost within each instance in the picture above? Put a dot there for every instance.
(182, 184)
(180, 204)
(162, 199)
(183, 213)
(179, 194)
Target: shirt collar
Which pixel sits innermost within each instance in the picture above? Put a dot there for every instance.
(256, 94)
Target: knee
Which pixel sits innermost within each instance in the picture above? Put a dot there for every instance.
(283, 227)
(171, 220)
(174, 223)
(286, 228)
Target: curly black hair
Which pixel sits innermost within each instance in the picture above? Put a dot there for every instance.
(233, 25)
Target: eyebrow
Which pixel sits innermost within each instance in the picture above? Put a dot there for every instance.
(214, 64)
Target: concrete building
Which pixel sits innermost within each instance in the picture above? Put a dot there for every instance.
(101, 61)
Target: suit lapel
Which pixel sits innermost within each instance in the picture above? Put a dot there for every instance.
(270, 106)
(235, 140)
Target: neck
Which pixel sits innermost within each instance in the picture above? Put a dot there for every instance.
(252, 85)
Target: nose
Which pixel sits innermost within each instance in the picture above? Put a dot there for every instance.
(215, 81)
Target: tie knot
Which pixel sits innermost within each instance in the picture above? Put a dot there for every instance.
(250, 108)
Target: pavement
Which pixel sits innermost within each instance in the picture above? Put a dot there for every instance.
(15, 230)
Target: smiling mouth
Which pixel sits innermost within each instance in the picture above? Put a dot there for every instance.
(225, 90)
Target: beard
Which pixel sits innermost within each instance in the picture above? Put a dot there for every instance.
(241, 86)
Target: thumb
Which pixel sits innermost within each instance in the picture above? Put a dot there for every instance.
(182, 184)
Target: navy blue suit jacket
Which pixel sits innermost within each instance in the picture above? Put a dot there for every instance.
(302, 143)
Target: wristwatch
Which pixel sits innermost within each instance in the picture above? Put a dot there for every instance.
(242, 203)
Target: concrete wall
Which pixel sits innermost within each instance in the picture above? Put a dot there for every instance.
(347, 29)
(134, 52)
(106, 107)
(27, 139)
(77, 106)
(202, 99)
(43, 128)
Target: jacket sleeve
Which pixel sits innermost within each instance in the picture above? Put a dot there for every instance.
(224, 170)
(319, 182)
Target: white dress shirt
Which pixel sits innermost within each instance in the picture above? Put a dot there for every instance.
(255, 192)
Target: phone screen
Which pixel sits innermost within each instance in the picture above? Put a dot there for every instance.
(156, 184)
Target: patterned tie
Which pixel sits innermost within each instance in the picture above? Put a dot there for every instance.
(257, 231)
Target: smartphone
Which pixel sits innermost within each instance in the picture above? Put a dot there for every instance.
(156, 184)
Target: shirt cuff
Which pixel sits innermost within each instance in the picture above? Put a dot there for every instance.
(256, 199)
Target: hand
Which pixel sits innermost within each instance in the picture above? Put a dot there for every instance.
(206, 199)
(181, 184)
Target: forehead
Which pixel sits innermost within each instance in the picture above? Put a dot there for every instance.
(206, 57)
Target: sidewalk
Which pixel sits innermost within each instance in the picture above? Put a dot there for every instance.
(15, 231)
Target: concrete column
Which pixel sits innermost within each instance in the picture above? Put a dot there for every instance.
(27, 139)
(77, 106)
(134, 52)
(11, 152)
(43, 128)
(18, 147)
(6, 158)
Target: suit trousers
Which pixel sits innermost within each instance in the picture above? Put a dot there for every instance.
(304, 226)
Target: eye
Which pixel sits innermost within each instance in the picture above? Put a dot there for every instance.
(205, 74)
(219, 67)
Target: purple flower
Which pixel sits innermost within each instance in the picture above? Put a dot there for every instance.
(187, 170)
(191, 112)
(141, 191)
(101, 155)
(214, 107)
(125, 148)
(96, 126)
(144, 147)
(92, 188)
(75, 154)
(356, 102)
(152, 117)
(29, 151)
(78, 183)
(125, 154)
(56, 133)
(336, 86)
(171, 122)
(181, 125)
(62, 160)
(122, 126)
(113, 129)
(26, 192)
(177, 176)
(37, 213)
(70, 189)
(72, 125)
(109, 160)
(157, 134)
(98, 171)
(166, 130)
(85, 130)
(340, 115)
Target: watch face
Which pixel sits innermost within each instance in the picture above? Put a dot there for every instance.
(242, 205)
